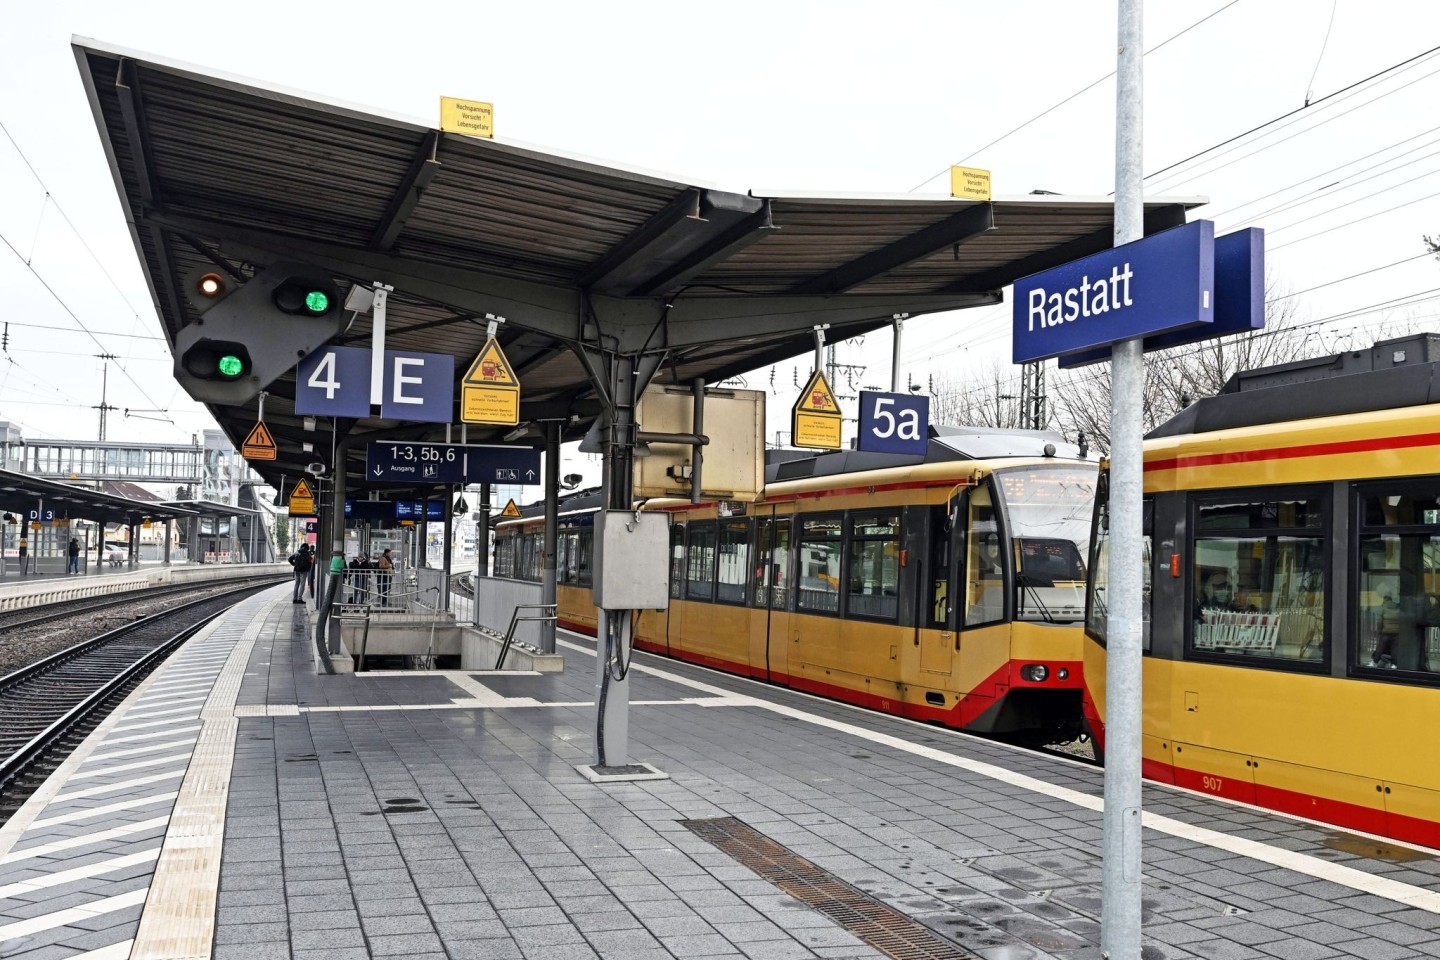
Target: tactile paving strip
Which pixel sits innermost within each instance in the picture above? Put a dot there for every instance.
(877, 924)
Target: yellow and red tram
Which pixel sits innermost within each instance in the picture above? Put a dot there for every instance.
(1292, 610)
(949, 590)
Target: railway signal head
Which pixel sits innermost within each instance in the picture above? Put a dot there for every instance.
(249, 334)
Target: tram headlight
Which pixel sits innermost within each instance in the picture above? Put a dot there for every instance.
(1034, 672)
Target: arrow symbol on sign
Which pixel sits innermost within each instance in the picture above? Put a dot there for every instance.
(530, 474)
(379, 472)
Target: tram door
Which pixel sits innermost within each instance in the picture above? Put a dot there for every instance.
(770, 630)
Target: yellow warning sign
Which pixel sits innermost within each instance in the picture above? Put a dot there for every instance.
(490, 391)
(474, 118)
(260, 445)
(815, 418)
(510, 510)
(302, 499)
(970, 183)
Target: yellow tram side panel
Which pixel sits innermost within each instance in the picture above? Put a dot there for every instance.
(575, 607)
(1385, 443)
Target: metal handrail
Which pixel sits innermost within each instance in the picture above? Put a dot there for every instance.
(515, 618)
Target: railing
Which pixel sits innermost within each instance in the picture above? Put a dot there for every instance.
(515, 619)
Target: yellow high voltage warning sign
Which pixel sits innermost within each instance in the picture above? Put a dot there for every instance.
(302, 499)
(259, 445)
(490, 392)
(510, 510)
(815, 418)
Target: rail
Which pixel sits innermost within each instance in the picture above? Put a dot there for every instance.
(516, 619)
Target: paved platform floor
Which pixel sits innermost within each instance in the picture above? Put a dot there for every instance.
(441, 815)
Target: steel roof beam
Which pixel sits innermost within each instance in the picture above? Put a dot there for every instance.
(728, 243)
(127, 89)
(953, 230)
(1156, 219)
(422, 170)
(637, 249)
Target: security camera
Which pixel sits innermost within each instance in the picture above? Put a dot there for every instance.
(316, 469)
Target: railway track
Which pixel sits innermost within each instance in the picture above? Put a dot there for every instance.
(50, 706)
(50, 612)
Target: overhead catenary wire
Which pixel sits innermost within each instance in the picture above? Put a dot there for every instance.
(1082, 90)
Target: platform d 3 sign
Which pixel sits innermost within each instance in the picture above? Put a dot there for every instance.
(302, 500)
(510, 510)
(815, 418)
(490, 392)
(259, 445)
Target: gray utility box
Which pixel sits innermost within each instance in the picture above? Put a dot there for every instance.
(631, 560)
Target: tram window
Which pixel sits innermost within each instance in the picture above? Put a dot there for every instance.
(504, 556)
(1097, 612)
(1258, 579)
(938, 603)
(563, 543)
(585, 544)
(677, 558)
(984, 568)
(780, 567)
(700, 562)
(874, 570)
(733, 561)
(758, 587)
(1398, 607)
(819, 585)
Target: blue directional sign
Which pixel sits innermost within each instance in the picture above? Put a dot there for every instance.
(496, 464)
(47, 515)
(418, 386)
(395, 461)
(1163, 282)
(1239, 298)
(390, 462)
(893, 422)
(334, 382)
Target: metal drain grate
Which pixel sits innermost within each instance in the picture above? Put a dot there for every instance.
(881, 926)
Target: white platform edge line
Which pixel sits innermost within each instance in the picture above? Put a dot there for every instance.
(179, 916)
(30, 811)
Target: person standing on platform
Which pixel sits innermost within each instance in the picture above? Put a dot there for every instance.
(300, 561)
(387, 570)
(74, 553)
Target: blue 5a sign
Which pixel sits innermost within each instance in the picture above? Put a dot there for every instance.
(894, 423)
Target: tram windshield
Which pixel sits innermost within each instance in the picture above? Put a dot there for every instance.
(1048, 514)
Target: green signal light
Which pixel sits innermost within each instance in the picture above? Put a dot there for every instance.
(316, 301)
(230, 365)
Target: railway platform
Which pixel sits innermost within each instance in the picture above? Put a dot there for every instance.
(238, 806)
(18, 593)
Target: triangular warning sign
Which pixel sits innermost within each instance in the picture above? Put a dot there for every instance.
(302, 499)
(259, 445)
(817, 397)
(491, 369)
(510, 510)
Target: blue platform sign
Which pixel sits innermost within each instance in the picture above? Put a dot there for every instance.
(497, 464)
(402, 462)
(893, 423)
(398, 461)
(1161, 283)
(418, 386)
(1239, 298)
(334, 382)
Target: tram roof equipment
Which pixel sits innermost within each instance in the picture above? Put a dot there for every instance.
(215, 172)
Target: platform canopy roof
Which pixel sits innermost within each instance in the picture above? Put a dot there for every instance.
(21, 493)
(217, 172)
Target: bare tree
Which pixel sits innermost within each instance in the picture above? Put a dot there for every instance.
(991, 399)
(1176, 377)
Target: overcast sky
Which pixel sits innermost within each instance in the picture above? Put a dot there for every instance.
(820, 96)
